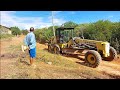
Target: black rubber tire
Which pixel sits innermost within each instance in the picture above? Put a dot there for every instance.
(113, 55)
(49, 48)
(56, 49)
(96, 56)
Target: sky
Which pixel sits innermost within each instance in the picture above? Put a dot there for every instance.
(41, 19)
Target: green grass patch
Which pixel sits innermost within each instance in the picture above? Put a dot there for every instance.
(4, 36)
(58, 60)
(15, 47)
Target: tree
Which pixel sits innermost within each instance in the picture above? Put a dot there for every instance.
(24, 32)
(38, 34)
(80, 29)
(115, 37)
(100, 30)
(70, 24)
(15, 30)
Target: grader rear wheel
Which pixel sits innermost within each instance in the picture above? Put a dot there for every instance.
(113, 55)
(92, 58)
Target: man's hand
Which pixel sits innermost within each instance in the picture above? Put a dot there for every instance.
(28, 48)
(24, 48)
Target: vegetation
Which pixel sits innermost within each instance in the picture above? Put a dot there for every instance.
(24, 32)
(15, 31)
(4, 36)
(44, 34)
(70, 24)
(103, 30)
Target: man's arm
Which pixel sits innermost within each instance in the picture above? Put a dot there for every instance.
(32, 40)
(25, 41)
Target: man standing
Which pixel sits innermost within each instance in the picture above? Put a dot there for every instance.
(30, 41)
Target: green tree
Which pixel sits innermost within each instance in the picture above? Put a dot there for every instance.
(80, 29)
(115, 37)
(100, 30)
(70, 24)
(38, 34)
(15, 31)
(24, 32)
(44, 34)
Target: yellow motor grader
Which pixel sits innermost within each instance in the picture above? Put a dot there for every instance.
(64, 43)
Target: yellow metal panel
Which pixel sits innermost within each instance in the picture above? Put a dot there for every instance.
(62, 45)
(101, 46)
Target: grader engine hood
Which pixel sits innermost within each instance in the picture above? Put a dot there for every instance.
(105, 48)
(102, 47)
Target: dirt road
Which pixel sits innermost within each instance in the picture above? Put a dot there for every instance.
(11, 67)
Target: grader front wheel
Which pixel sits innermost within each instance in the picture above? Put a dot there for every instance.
(49, 48)
(113, 55)
(56, 50)
(92, 58)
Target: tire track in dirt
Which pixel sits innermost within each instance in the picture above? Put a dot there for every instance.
(109, 68)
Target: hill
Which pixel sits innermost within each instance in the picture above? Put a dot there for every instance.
(5, 30)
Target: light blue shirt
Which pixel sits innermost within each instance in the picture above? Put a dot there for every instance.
(30, 40)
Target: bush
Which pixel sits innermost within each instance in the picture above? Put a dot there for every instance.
(43, 35)
(15, 31)
(24, 32)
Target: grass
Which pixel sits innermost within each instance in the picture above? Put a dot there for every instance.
(4, 36)
(15, 47)
(61, 68)
(57, 60)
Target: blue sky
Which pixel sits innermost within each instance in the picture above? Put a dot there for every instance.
(40, 19)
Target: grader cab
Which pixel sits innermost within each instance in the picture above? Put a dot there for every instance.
(64, 42)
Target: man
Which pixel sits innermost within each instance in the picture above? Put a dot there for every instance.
(30, 41)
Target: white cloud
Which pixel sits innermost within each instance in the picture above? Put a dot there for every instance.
(56, 21)
(9, 19)
(110, 16)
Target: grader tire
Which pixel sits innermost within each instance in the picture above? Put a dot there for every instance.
(92, 58)
(113, 55)
(49, 48)
(56, 50)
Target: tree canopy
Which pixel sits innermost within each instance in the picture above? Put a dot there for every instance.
(24, 32)
(15, 30)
